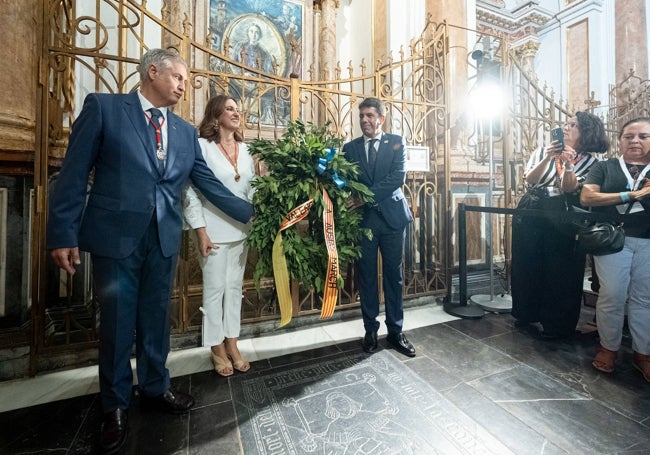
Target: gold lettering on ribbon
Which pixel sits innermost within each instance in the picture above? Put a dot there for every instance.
(331, 291)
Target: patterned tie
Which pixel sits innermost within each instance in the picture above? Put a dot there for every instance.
(156, 123)
(372, 153)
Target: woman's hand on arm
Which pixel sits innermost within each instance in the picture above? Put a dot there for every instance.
(641, 193)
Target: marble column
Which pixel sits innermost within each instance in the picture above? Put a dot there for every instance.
(176, 15)
(454, 12)
(19, 54)
(327, 39)
(631, 40)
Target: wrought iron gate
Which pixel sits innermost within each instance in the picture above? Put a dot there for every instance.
(95, 46)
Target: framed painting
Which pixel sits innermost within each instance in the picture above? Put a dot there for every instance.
(260, 32)
(265, 36)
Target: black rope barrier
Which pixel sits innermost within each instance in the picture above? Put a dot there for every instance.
(462, 308)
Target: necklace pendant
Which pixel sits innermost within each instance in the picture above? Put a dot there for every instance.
(237, 177)
(161, 153)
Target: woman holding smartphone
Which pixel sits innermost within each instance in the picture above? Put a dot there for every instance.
(547, 273)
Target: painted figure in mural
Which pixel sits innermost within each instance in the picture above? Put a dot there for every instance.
(287, 24)
(250, 51)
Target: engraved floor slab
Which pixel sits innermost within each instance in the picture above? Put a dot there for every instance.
(355, 404)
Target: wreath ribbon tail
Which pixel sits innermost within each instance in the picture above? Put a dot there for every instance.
(330, 294)
(280, 270)
(281, 275)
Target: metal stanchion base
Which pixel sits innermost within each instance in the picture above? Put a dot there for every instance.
(494, 303)
(467, 311)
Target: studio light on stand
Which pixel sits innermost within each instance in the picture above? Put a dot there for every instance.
(488, 104)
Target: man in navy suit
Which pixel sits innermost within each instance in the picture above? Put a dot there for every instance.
(130, 222)
(382, 163)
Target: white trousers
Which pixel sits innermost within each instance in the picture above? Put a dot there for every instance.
(625, 276)
(223, 276)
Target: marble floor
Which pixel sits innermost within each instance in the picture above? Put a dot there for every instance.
(534, 396)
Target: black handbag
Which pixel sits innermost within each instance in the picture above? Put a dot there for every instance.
(600, 239)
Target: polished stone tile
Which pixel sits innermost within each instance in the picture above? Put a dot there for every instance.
(460, 354)
(48, 427)
(516, 434)
(503, 385)
(582, 426)
(214, 430)
(522, 383)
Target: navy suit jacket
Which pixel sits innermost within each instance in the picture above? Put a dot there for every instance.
(386, 179)
(111, 138)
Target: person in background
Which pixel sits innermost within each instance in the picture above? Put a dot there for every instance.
(221, 239)
(547, 273)
(617, 186)
(382, 162)
(141, 156)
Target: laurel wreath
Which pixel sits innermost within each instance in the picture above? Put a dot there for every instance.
(292, 179)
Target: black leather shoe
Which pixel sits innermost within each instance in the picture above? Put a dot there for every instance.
(370, 342)
(551, 336)
(113, 432)
(401, 344)
(171, 402)
(522, 324)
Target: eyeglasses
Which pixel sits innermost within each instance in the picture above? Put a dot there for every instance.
(570, 125)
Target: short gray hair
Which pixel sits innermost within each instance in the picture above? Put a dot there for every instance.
(160, 58)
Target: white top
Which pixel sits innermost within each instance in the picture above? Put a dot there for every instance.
(199, 212)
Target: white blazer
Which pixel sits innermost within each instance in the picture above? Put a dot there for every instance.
(199, 212)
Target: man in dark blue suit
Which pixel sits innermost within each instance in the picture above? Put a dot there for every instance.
(382, 163)
(130, 222)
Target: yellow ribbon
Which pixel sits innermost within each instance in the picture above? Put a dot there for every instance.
(281, 273)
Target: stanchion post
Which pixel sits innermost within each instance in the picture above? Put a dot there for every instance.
(462, 309)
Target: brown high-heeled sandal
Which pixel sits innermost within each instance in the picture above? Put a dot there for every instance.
(222, 366)
(642, 363)
(604, 360)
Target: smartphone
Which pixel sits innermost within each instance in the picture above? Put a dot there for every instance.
(557, 134)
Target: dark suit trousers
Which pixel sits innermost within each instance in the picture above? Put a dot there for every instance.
(134, 301)
(390, 243)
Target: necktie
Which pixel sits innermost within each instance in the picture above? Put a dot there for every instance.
(372, 153)
(157, 120)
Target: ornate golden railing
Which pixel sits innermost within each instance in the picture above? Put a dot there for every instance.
(96, 46)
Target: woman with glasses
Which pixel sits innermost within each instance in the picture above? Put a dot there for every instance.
(547, 273)
(619, 186)
(222, 240)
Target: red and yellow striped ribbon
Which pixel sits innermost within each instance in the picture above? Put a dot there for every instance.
(331, 292)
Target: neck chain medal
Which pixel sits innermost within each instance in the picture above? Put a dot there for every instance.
(233, 162)
(161, 153)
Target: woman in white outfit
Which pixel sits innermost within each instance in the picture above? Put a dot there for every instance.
(221, 239)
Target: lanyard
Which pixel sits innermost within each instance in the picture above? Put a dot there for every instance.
(158, 129)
